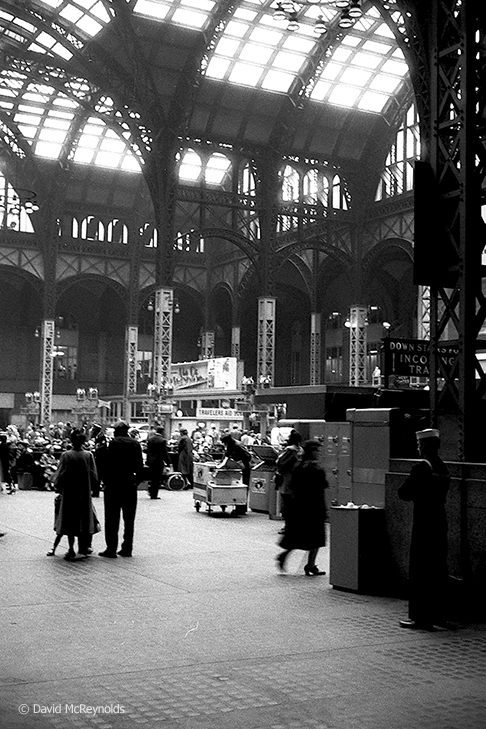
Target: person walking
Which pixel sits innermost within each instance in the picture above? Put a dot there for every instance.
(426, 487)
(285, 464)
(74, 480)
(306, 513)
(185, 462)
(157, 459)
(124, 471)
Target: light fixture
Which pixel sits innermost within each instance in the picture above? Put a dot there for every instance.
(345, 21)
(292, 12)
(355, 9)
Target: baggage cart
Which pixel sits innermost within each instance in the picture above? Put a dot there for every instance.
(220, 485)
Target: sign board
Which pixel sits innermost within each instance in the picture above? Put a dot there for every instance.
(218, 413)
(411, 357)
(219, 373)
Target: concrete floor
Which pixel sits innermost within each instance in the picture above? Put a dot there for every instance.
(199, 631)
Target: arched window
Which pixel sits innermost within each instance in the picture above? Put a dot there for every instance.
(117, 232)
(150, 235)
(218, 171)
(310, 186)
(190, 166)
(336, 192)
(92, 229)
(16, 207)
(246, 180)
(290, 183)
(397, 177)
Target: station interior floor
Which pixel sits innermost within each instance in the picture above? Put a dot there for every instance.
(199, 630)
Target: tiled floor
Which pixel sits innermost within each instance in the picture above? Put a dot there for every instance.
(199, 631)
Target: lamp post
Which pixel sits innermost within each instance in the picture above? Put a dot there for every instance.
(157, 406)
(32, 406)
(87, 404)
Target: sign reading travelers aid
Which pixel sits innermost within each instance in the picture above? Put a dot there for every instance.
(411, 357)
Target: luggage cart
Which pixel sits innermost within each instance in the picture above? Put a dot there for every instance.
(223, 488)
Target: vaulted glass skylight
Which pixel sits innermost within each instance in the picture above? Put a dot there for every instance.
(84, 17)
(366, 69)
(190, 13)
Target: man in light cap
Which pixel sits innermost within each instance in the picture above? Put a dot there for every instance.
(427, 487)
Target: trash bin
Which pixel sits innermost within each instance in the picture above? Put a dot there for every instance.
(357, 548)
(261, 478)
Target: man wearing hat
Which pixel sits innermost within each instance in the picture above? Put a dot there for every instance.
(123, 472)
(426, 487)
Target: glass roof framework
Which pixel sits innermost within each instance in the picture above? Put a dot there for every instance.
(362, 71)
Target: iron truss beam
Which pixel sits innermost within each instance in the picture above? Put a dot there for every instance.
(458, 161)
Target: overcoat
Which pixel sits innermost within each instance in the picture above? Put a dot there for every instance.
(306, 515)
(427, 487)
(185, 460)
(74, 479)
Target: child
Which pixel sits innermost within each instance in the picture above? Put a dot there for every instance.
(57, 504)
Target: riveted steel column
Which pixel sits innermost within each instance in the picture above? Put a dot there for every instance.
(235, 341)
(48, 335)
(266, 341)
(131, 348)
(357, 345)
(315, 349)
(207, 345)
(164, 305)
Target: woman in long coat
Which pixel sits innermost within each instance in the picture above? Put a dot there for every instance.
(306, 512)
(75, 478)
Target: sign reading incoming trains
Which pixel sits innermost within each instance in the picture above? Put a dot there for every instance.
(410, 357)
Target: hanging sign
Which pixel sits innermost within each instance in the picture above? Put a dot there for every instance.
(411, 357)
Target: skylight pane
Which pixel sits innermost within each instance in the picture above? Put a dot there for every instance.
(374, 47)
(239, 30)
(48, 149)
(355, 76)
(385, 83)
(189, 18)
(277, 81)
(217, 67)
(107, 159)
(130, 163)
(344, 96)
(385, 31)
(366, 60)
(152, 9)
(45, 39)
(227, 47)
(245, 74)
(288, 61)
(100, 12)
(71, 13)
(256, 54)
(61, 51)
(395, 67)
(86, 140)
(320, 90)
(90, 26)
(269, 37)
(83, 155)
(372, 102)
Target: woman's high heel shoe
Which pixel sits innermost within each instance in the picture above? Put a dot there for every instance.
(311, 570)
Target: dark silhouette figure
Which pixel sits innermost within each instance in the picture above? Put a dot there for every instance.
(124, 471)
(157, 459)
(427, 487)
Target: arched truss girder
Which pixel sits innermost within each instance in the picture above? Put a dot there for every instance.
(81, 279)
(375, 254)
(245, 245)
(287, 252)
(29, 278)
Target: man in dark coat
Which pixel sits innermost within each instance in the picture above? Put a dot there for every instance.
(186, 458)
(124, 471)
(427, 487)
(157, 458)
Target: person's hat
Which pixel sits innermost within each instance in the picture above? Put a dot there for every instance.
(428, 433)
